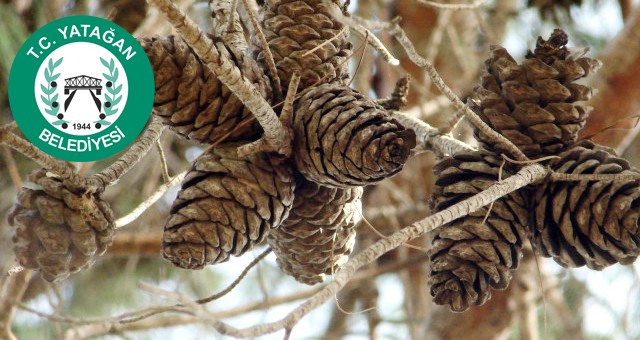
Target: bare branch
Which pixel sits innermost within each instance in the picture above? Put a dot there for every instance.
(564, 177)
(237, 281)
(373, 41)
(430, 138)
(130, 158)
(163, 160)
(454, 7)
(140, 209)
(61, 168)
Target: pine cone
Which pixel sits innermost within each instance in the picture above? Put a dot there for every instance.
(588, 223)
(319, 234)
(468, 256)
(294, 27)
(343, 139)
(190, 98)
(226, 206)
(59, 228)
(534, 104)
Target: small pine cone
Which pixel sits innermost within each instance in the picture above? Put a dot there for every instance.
(227, 205)
(59, 229)
(588, 223)
(319, 234)
(467, 256)
(192, 101)
(534, 104)
(294, 27)
(343, 139)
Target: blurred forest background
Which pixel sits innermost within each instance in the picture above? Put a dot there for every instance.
(543, 301)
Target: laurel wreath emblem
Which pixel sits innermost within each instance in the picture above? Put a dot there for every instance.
(113, 97)
(51, 99)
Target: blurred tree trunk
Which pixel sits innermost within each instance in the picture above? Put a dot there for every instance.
(617, 101)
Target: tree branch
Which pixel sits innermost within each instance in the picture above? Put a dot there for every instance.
(430, 138)
(130, 158)
(140, 209)
(527, 175)
(12, 292)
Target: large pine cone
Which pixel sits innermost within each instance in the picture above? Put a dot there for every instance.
(59, 228)
(319, 234)
(588, 223)
(467, 256)
(192, 101)
(343, 139)
(227, 205)
(294, 27)
(534, 104)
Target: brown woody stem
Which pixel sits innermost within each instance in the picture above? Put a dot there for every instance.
(429, 138)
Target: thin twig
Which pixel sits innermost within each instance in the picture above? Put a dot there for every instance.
(136, 320)
(163, 160)
(564, 177)
(402, 38)
(237, 281)
(453, 7)
(286, 115)
(429, 138)
(268, 56)
(374, 42)
(229, 74)
(451, 123)
(363, 47)
(140, 209)
(324, 43)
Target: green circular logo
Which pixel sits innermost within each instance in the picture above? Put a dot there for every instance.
(81, 88)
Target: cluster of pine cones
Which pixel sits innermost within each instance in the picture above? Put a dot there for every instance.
(535, 104)
(306, 208)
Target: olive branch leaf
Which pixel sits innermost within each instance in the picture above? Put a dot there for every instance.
(48, 90)
(113, 96)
